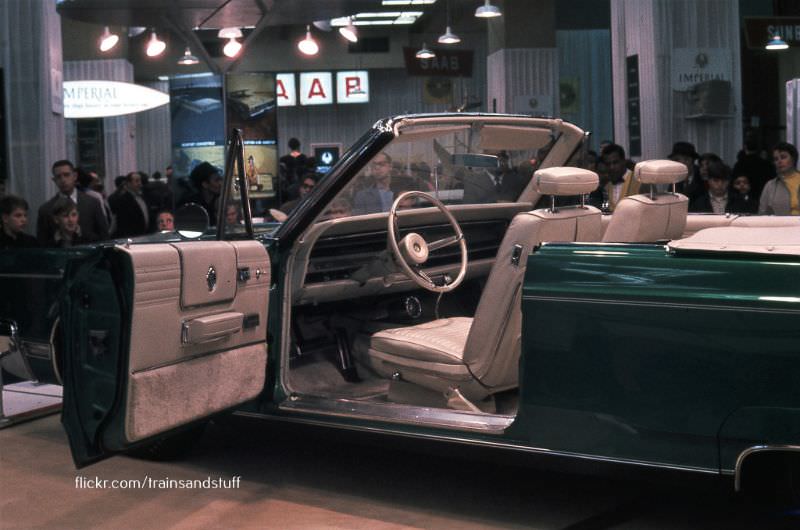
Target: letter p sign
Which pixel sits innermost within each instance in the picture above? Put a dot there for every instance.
(352, 87)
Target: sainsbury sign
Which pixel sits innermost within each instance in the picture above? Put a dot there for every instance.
(316, 88)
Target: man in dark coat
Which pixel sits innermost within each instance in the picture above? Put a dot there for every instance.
(132, 211)
(92, 220)
(208, 185)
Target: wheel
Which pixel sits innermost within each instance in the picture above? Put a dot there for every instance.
(412, 251)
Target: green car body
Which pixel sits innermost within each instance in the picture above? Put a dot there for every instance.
(638, 356)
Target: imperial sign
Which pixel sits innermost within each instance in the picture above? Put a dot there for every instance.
(99, 99)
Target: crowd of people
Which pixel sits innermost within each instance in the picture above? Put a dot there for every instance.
(753, 185)
(80, 212)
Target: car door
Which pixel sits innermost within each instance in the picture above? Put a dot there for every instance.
(159, 336)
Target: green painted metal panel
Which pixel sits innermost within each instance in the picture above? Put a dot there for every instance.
(632, 352)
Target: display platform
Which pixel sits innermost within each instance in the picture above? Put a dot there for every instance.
(28, 400)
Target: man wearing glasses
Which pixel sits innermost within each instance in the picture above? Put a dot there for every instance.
(379, 196)
(306, 186)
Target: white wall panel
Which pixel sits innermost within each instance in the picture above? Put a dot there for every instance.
(154, 135)
(35, 133)
(522, 72)
(652, 29)
(119, 136)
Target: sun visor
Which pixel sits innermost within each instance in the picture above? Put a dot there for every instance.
(511, 138)
(415, 134)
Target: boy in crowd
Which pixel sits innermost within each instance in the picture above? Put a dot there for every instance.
(14, 215)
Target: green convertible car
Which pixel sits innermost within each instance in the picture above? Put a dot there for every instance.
(445, 281)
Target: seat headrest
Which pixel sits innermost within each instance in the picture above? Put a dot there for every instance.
(660, 172)
(562, 181)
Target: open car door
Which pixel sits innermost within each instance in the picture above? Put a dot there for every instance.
(159, 336)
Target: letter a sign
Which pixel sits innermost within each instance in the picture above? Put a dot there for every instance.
(316, 88)
(285, 91)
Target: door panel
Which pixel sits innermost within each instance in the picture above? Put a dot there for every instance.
(176, 380)
(196, 343)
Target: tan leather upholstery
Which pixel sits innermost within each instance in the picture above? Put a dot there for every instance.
(565, 181)
(177, 375)
(642, 218)
(480, 356)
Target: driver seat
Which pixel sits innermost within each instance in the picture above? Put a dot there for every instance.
(462, 360)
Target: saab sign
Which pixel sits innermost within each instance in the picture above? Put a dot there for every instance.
(317, 88)
(101, 99)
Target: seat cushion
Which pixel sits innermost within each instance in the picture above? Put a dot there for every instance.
(439, 341)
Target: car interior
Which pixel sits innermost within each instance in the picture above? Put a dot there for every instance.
(410, 311)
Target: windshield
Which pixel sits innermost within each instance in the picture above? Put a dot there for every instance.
(458, 164)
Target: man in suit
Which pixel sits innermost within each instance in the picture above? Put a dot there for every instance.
(378, 197)
(92, 220)
(620, 179)
(132, 211)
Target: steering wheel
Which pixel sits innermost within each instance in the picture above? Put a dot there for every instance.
(412, 251)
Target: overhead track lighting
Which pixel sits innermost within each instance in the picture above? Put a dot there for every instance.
(349, 31)
(188, 59)
(232, 48)
(155, 46)
(487, 10)
(424, 53)
(308, 45)
(108, 40)
(230, 33)
(449, 37)
(776, 43)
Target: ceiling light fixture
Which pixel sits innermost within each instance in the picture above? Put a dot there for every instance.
(349, 31)
(323, 25)
(424, 53)
(776, 43)
(232, 48)
(155, 46)
(188, 59)
(230, 33)
(487, 10)
(108, 40)
(449, 37)
(308, 45)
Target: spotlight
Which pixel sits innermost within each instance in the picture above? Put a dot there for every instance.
(308, 45)
(425, 53)
(349, 31)
(155, 46)
(776, 43)
(229, 33)
(188, 59)
(108, 40)
(449, 37)
(487, 10)
(232, 48)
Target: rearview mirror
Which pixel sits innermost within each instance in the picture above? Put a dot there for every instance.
(191, 221)
(476, 160)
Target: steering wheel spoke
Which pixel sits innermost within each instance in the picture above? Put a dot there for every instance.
(444, 242)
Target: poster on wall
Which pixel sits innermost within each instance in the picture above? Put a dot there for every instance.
(251, 104)
(198, 133)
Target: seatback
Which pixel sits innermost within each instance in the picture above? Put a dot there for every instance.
(493, 345)
(646, 218)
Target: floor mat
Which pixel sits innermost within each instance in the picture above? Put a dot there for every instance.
(319, 377)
